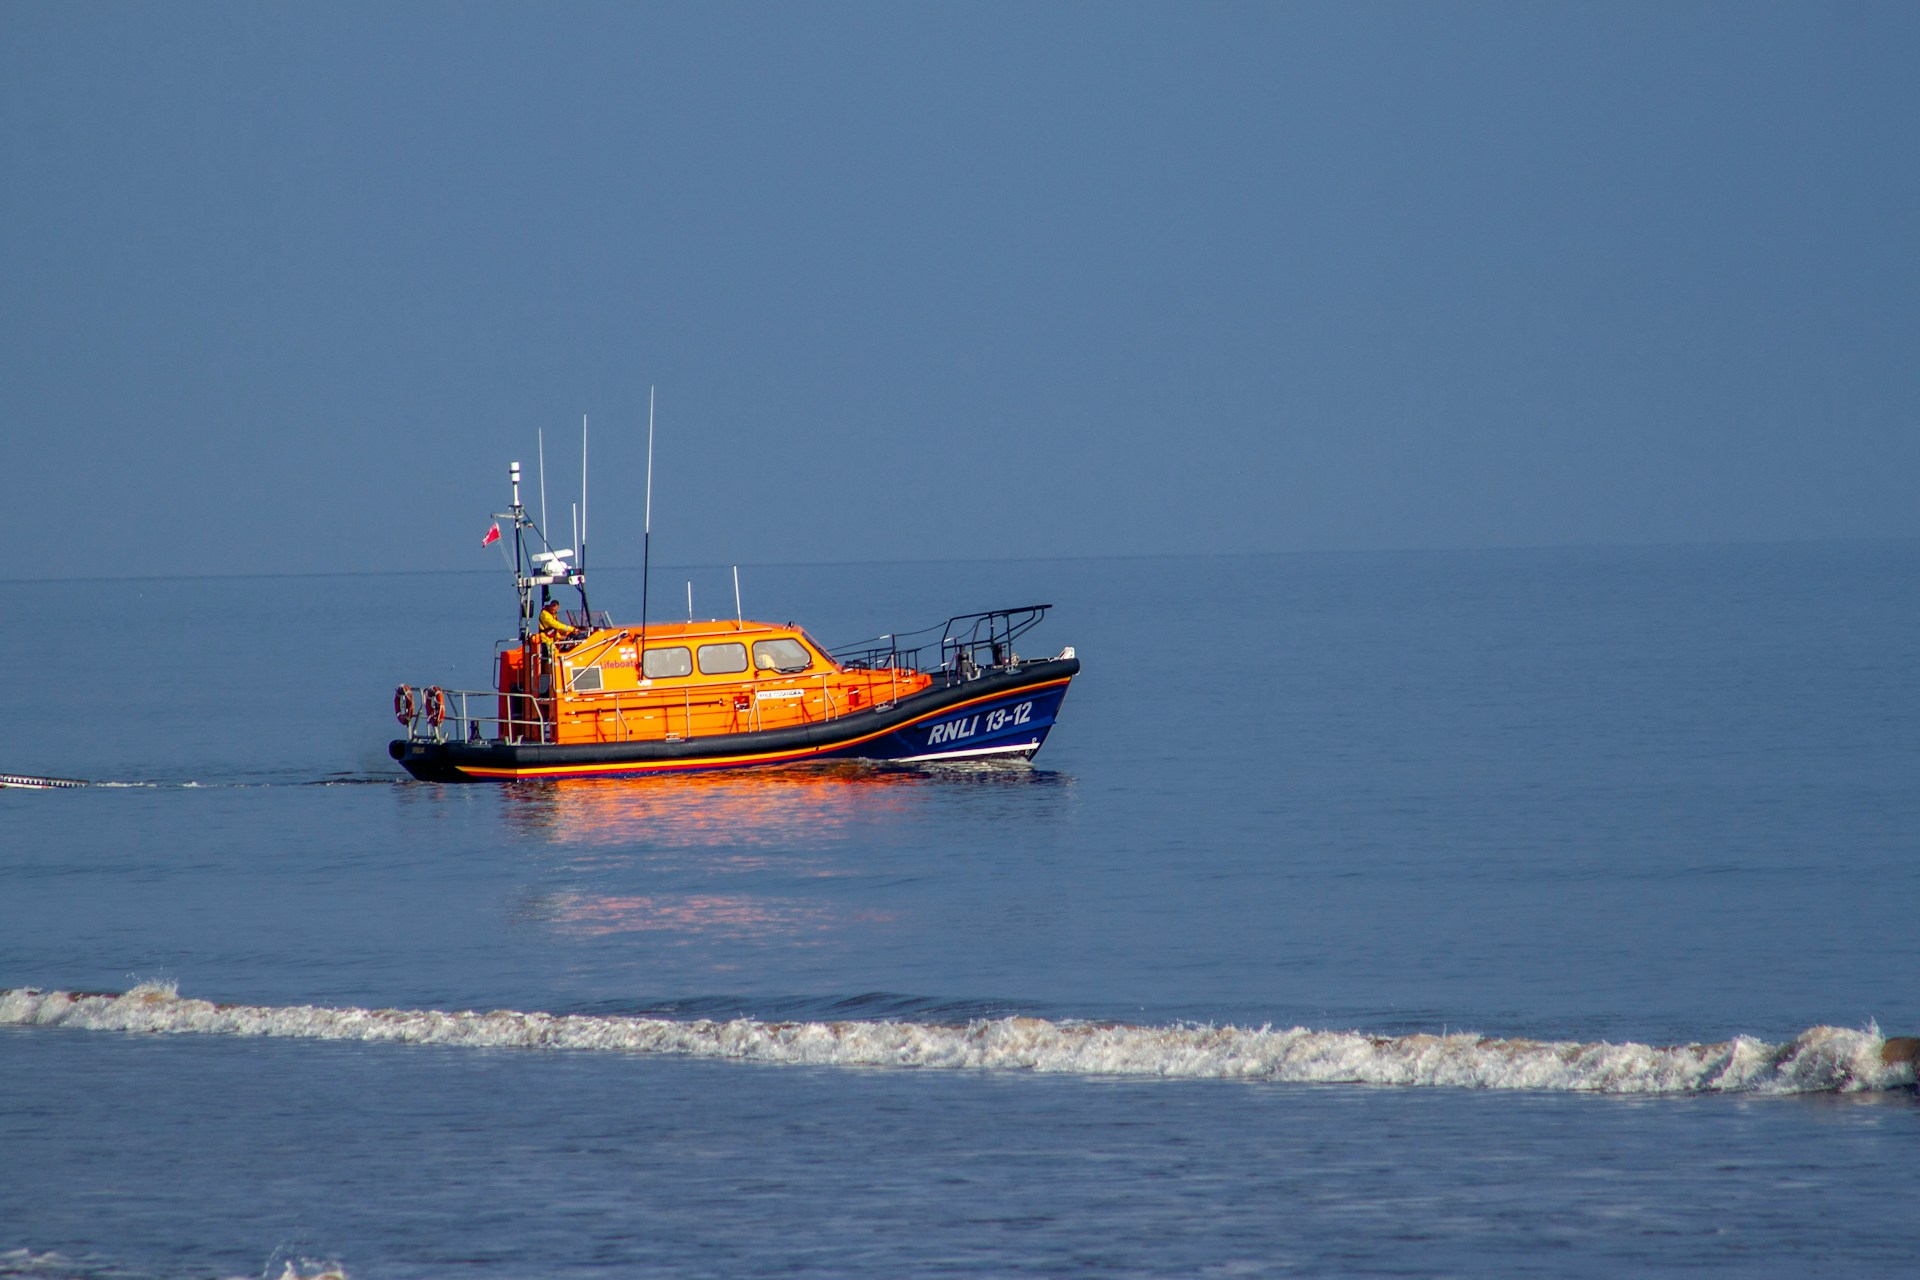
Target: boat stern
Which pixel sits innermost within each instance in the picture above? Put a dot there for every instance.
(427, 761)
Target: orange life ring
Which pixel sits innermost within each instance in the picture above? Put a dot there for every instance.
(436, 706)
(403, 704)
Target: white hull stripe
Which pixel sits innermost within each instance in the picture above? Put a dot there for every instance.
(977, 751)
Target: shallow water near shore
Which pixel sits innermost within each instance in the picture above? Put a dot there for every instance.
(1446, 913)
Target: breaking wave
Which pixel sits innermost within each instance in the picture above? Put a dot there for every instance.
(1819, 1060)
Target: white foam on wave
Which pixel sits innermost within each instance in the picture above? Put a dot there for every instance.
(1822, 1059)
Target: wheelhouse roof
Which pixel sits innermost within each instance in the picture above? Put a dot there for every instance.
(701, 630)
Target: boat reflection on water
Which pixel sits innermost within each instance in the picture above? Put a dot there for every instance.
(739, 808)
(715, 916)
(623, 849)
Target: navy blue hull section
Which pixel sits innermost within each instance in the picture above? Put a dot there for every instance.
(1013, 724)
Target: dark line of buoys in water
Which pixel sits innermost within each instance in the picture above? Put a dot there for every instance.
(1818, 1060)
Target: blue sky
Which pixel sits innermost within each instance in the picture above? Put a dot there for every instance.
(285, 287)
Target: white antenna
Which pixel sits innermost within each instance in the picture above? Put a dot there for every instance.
(689, 599)
(541, 438)
(580, 538)
(576, 536)
(736, 597)
(646, 542)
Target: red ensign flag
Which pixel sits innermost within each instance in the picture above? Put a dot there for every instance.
(493, 535)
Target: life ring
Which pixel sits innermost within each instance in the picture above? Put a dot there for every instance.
(436, 706)
(403, 704)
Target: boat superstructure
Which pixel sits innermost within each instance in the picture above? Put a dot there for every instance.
(583, 697)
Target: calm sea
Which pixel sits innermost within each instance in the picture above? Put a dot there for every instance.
(1482, 913)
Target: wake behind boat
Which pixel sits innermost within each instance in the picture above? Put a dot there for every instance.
(576, 696)
(28, 781)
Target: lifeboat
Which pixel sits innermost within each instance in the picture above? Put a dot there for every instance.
(577, 696)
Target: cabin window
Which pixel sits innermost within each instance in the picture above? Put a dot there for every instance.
(586, 680)
(662, 663)
(722, 659)
(783, 655)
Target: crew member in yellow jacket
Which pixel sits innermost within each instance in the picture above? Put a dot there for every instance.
(552, 629)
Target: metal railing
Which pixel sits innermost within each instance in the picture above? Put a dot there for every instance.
(454, 716)
(969, 644)
(644, 715)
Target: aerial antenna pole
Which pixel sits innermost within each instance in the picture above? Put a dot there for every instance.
(646, 538)
(582, 544)
(580, 573)
(737, 621)
(541, 438)
(689, 599)
(519, 515)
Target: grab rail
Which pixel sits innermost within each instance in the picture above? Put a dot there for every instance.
(969, 644)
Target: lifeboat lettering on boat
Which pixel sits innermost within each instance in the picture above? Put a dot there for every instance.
(952, 730)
